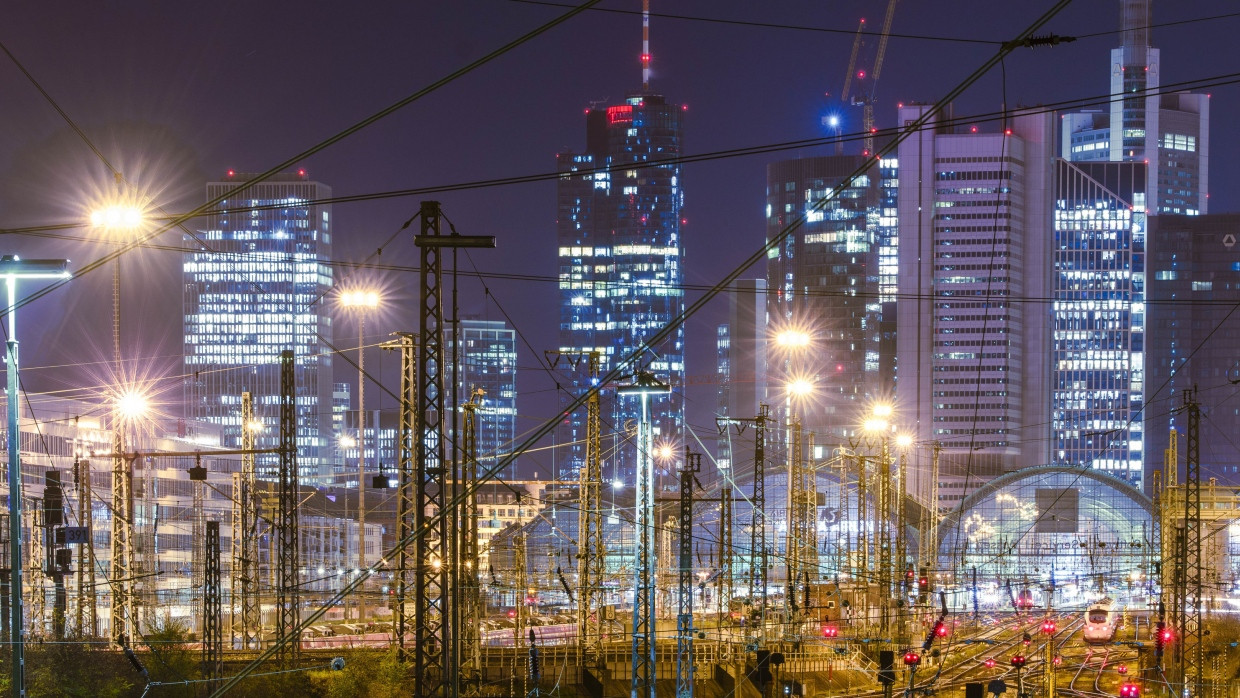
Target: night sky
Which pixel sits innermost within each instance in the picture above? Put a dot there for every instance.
(175, 94)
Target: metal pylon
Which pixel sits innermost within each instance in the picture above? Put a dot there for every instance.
(124, 617)
(87, 612)
(642, 684)
(212, 611)
(406, 495)
(467, 586)
(431, 585)
(245, 622)
(757, 532)
(1192, 656)
(288, 585)
(684, 611)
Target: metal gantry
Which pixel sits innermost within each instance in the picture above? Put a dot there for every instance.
(684, 611)
(288, 584)
(245, 622)
(642, 684)
(212, 609)
(725, 556)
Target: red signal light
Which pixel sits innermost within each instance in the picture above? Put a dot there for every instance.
(830, 631)
(1165, 635)
(1048, 627)
(1130, 690)
(990, 662)
(1018, 660)
(912, 659)
(940, 630)
(1122, 668)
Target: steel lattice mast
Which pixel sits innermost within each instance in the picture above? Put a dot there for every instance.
(245, 620)
(288, 583)
(757, 531)
(643, 661)
(592, 550)
(1192, 655)
(882, 538)
(467, 586)
(87, 612)
(123, 616)
(407, 494)
(684, 613)
(212, 611)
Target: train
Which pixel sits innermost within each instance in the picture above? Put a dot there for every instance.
(1102, 619)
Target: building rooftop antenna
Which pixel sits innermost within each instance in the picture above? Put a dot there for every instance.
(645, 45)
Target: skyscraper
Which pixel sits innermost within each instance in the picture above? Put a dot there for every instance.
(740, 352)
(252, 289)
(972, 362)
(488, 358)
(1171, 131)
(1099, 305)
(620, 255)
(1192, 335)
(824, 278)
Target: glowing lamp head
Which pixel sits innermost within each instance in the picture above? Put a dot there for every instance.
(1130, 690)
(1018, 660)
(132, 405)
(359, 299)
(882, 411)
(792, 339)
(904, 440)
(990, 662)
(348, 441)
(117, 217)
(911, 659)
(830, 631)
(800, 387)
(940, 630)
(664, 452)
(1122, 668)
(833, 121)
(1048, 627)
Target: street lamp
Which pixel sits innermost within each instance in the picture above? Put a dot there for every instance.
(13, 268)
(361, 300)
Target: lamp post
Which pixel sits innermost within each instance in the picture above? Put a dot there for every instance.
(13, 268)
(362, 301)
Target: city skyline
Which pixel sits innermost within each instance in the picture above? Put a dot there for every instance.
(734, 221)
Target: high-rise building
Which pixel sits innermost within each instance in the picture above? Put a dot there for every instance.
(974, 239)
(488, 374)
(620, 256)
(1099, 306)
(1170, 131)
(824, 279)
(252, 290)
(740, 351)
(1192, 335)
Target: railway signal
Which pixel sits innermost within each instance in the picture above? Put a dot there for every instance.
(1048, 627)
(990, 662)
(830, 631)
(1130, 690)
(1018, 660)
(911, 659)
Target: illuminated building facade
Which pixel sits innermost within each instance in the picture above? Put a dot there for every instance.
(620, 256)
(740, 359)
(488, 372)
(1171, 130)
(825, 278)
(974, 235)
(253, 287)
(1099, 305)
(1194, 287)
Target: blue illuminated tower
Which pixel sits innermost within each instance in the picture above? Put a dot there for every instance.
(254, 287)
(620, 257)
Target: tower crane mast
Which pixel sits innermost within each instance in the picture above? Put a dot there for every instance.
(868, 84)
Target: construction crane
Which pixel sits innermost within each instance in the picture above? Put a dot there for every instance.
(867, 83)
